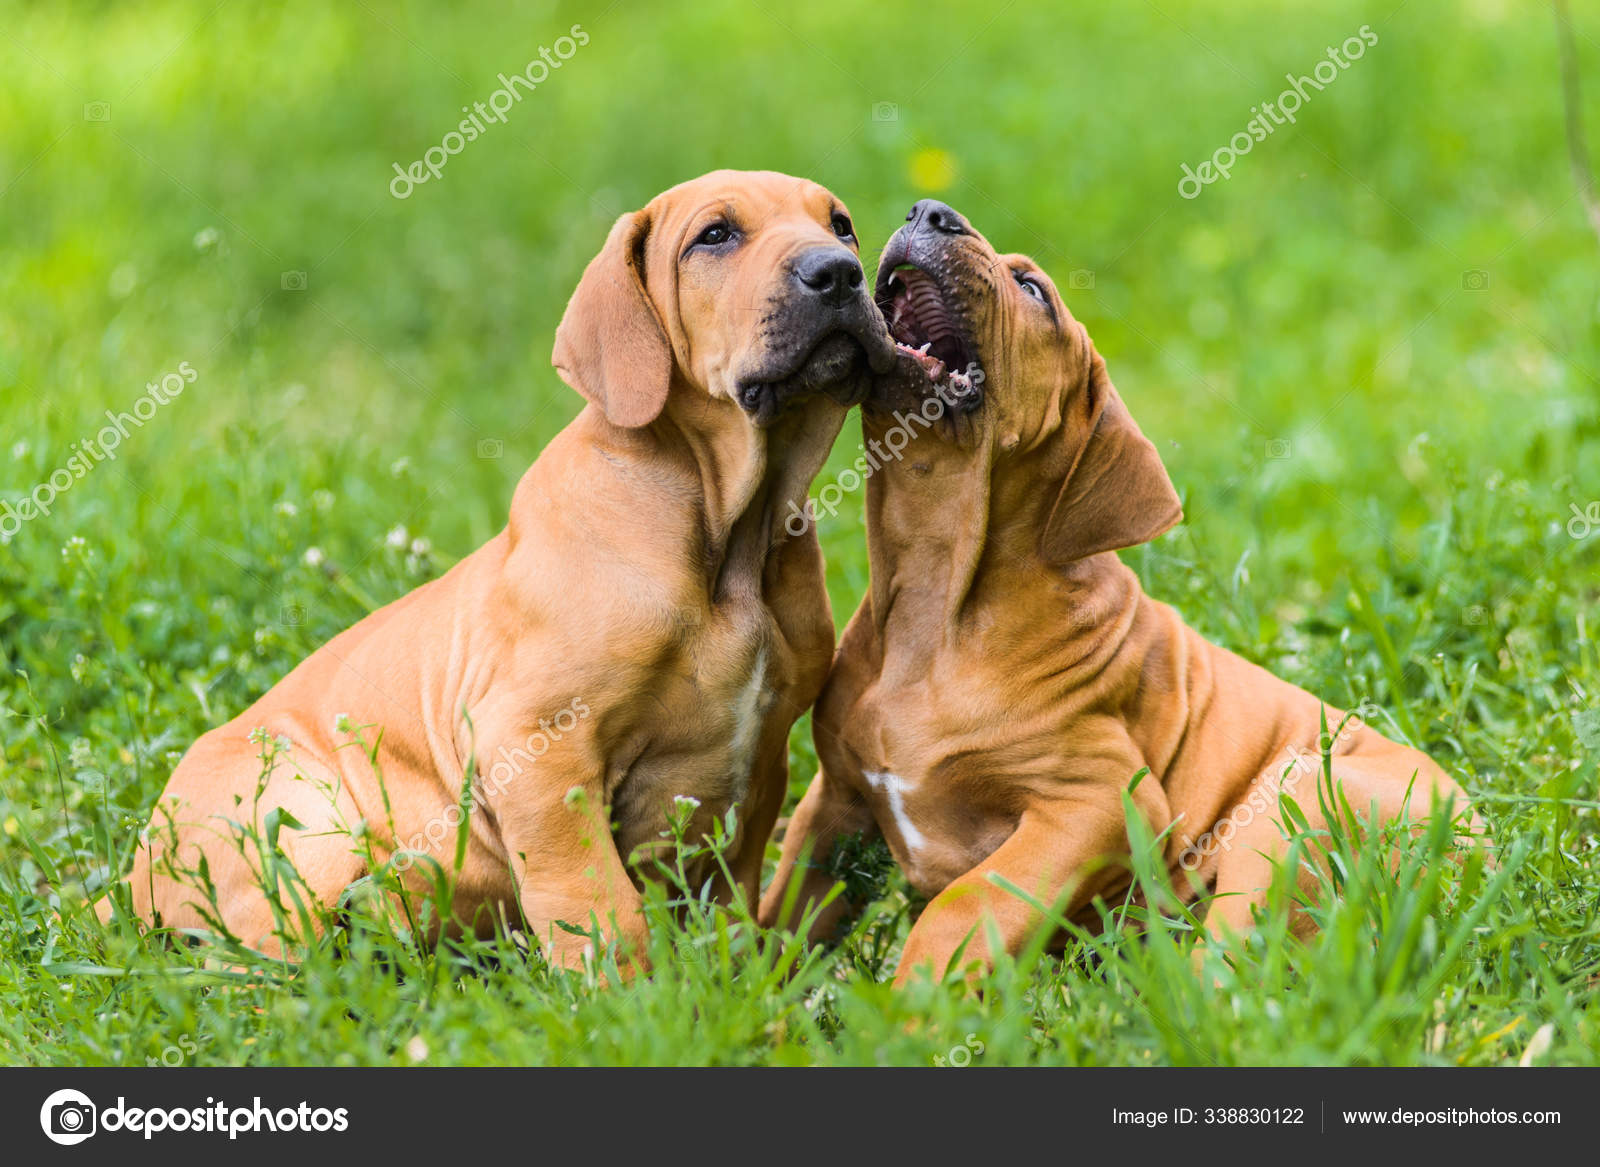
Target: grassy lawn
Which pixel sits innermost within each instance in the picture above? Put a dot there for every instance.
(1369, 358)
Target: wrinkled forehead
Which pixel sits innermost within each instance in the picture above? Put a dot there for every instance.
(753, 201)
(1016, 264)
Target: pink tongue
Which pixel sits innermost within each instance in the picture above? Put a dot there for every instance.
(928, 307)
(931, 364)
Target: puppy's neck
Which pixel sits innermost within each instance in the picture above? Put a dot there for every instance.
(952, 524)
(927, 520)
(742, 479)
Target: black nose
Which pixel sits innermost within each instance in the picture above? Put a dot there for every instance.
(937, 216)
(832, 273)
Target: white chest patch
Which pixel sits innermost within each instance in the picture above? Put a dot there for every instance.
(748, 708)
(894, 788)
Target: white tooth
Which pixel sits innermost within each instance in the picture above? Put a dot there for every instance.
(925, 347)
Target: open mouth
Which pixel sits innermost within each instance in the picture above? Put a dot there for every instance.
(928, 329)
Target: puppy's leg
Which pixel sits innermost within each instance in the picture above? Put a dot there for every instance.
(1383, 783)
(1244, 875)
(567, 870)
(768, 784)
(214, 818)
(830, 810)
(1405, 783)
(1051, 856)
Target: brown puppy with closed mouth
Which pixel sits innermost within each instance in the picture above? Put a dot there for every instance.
(643, 630)
(1006, 677)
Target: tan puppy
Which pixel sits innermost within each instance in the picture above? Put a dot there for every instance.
(643, 629)
(1006, 677)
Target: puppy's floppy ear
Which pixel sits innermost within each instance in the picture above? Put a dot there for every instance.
(610, 345)
(1117, 493)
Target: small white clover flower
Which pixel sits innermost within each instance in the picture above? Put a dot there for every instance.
(398, 537)
(286, 508)
(421, 545)
(685, 802)
(314, 557)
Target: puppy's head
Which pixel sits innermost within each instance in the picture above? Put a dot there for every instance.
(985, 344)
(741, 286)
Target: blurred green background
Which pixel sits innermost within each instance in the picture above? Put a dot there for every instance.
(1316, 297)
(1369, 357)
(1306, 341)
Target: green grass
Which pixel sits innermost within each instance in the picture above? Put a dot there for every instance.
(1411, 549)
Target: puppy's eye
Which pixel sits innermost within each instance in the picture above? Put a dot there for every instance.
(715, 234)
(1033, 287)
(842, 227)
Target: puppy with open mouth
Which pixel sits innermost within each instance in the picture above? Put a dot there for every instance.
(1006, 678)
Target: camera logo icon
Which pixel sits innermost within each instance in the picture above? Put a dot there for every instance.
(491, 448)
(97, 111)
(885, 111)
(1279, 450)
(68, 1117)
(293, 281)
(1081, 280)
(1476, 280)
